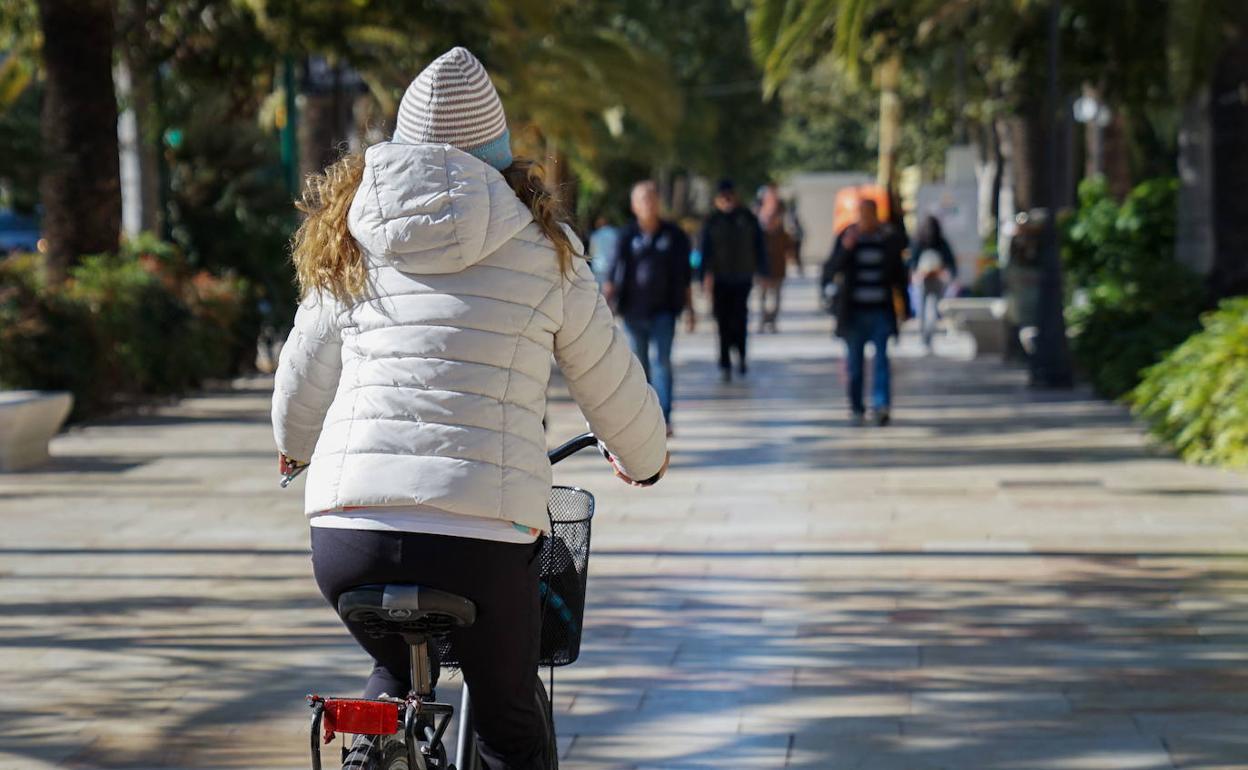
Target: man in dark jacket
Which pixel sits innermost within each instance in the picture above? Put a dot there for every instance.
(733, 253)
(649, 285)
(871, 280)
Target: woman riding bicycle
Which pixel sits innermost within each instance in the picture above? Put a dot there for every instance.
(437, 283)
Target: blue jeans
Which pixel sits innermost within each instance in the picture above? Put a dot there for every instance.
(651, 340)
(874, 326)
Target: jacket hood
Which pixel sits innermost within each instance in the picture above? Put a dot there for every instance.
(430, 208)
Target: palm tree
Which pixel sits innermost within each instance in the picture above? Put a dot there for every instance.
(558, 69)
(785, 33)
(885, 34)
(81, 185)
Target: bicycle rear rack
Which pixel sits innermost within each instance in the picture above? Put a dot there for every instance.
(373, 717)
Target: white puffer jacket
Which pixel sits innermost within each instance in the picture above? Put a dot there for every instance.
(431, 392)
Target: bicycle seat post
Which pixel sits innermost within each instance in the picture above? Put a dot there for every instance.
(422, 673)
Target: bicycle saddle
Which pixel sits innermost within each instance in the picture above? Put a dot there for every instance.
(398, 608)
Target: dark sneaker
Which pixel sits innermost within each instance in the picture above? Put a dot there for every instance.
(857, 419)
(882, 417)
(725, 374)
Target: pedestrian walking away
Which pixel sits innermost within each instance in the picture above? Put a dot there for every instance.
(650, 287)
(781, 249)
(933, 268)
(438, 282)
(603, 243)
(733, 255)
(866, 267)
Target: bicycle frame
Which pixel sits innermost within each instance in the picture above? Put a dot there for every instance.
(420, 702)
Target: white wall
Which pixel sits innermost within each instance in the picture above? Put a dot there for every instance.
(814, 194)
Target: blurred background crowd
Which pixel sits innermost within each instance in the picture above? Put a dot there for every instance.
(1082, 166)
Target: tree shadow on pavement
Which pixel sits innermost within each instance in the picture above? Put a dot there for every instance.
(1004, 661)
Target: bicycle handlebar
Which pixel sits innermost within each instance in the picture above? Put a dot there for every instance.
(566, 450)
(556, 455)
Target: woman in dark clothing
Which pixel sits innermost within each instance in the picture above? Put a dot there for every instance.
(933, 266)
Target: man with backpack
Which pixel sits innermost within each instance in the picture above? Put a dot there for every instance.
(870, 304)
(733, 253)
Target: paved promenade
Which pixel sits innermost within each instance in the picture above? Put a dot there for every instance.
(1003, 579)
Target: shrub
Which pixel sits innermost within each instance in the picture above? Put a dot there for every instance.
(1130, 301)
(1196, 398)
(131, 325)
(42, 338)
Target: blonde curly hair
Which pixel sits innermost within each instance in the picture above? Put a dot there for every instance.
(328, 259)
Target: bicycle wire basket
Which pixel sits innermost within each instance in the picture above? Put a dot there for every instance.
(564, 574)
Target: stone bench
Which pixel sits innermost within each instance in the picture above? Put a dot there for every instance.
(981, 317)
(28, 421)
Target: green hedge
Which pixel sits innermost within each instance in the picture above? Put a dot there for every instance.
(122, 328)
(1131, 302)
(1196, 398)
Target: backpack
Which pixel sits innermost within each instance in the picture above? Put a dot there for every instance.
(733, 238)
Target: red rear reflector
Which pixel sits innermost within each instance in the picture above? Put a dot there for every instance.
(360, 717)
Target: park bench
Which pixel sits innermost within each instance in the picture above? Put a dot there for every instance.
(28, 421)
(984, 318)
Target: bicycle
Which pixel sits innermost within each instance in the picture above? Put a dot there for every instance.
(424, 617)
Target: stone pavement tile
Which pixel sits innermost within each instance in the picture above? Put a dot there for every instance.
(1229, 752)
(655, 749)
(831, 702)
(1196, 725)
(969, 750)
(1169, 689)
(969, 704)
(753, 722)
(1067, 655)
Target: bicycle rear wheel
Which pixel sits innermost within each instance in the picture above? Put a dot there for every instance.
(552, 748)
(394, 757)
(472, 760)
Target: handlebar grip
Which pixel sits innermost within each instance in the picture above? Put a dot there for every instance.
(564, 451)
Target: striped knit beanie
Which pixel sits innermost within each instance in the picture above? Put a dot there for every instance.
(453, 102)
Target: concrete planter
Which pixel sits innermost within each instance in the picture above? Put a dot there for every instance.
(984, 318)
(28, 421)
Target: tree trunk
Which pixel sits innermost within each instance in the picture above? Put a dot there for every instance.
(325, 128)
(889, 74)
(140, 175)
(1006, 204)
(998, 177)
(81, 187)
(1027, 148)
(139, 132)
(1193, 243)
(1116, 155)
(987, 176)
(1229, 121)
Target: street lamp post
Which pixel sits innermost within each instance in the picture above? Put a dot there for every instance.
(290, 129)
(1050, 364)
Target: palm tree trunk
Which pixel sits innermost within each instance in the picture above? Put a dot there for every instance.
(889, 75)
(81, 186)
(1229, 120)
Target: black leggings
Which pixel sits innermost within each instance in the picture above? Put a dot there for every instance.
(498, 653)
